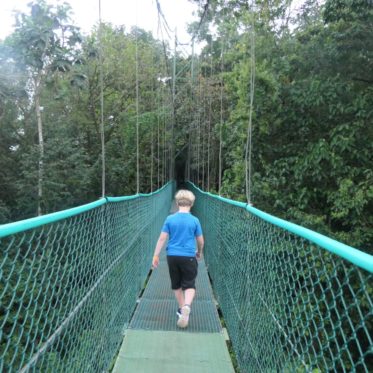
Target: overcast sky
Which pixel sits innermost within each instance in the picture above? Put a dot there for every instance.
(118, 12)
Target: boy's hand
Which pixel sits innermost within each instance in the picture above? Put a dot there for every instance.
(155, 261)
(199, 256)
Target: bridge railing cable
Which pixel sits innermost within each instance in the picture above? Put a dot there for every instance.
(293, 300)
(69, 282)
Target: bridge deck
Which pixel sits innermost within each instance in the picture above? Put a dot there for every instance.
(153, 342)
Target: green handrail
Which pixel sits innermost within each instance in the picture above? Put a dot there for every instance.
(293, 300)
(356, 256)
(27, 224)
(69, 282)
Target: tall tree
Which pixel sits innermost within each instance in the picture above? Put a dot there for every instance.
(45, 43)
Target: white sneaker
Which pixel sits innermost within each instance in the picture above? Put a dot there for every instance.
(184, 318)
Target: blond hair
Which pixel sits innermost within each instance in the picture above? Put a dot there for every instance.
(184, 198)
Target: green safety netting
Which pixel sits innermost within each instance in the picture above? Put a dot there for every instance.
(69, 282)
(289, 304)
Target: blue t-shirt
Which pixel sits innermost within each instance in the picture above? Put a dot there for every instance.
(182, 229)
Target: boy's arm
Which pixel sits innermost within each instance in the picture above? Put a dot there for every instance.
(200, 244)
(161, 241)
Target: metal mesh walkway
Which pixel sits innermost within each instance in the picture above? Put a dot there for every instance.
(170, 352)
(157, 307)
(154, 343)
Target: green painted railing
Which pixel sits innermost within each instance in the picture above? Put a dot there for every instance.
(69, 282)
(293, 300)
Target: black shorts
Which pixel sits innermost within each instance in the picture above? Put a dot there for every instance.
(183, 271)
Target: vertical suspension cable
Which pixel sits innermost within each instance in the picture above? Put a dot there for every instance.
(103, 165)
(152, 162)
(158, 137)
(189, 155)
(209, 121)
(192, 112)
(199, 122)
(203, 130)
(198, 147)
(170, 150)
(137, 112)
(153, 110)
(152, 144)
(173, 122)
(252, 90)
(190, 143)
(221, 116)
(159, 86)
(164, 145)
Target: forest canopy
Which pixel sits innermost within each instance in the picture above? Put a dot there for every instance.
(312, 135)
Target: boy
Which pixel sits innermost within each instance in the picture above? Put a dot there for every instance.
(182, 229)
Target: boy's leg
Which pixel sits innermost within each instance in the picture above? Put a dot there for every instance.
(189, 296)
(179, 297)
(189, 271)
(175, 277)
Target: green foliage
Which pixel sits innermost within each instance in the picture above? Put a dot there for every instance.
(61, 69)
(44, 39)
(312, 152)
(312, 116)
(312, 122)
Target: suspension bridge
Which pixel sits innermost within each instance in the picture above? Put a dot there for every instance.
(72, 291)
(77, 293)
